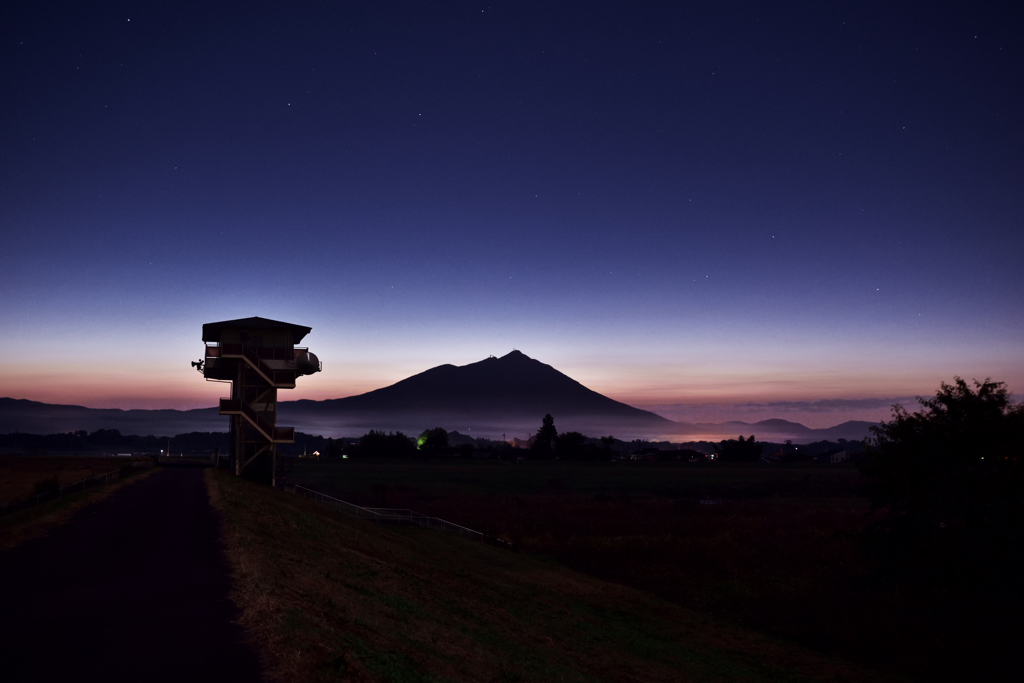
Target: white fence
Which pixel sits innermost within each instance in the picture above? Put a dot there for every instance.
(396, 516)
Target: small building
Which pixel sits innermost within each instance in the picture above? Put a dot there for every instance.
(691, 455)
(783, 455)
(834, 456)
(646, 454)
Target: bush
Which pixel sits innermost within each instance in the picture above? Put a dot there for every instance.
(570, 445)
(950, 479)
(376, 444)
(432, 440)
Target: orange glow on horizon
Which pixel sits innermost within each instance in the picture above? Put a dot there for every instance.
(144, 385)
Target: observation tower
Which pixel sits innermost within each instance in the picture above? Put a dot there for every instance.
(258, 356)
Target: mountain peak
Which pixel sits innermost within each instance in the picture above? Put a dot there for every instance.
(511, 390)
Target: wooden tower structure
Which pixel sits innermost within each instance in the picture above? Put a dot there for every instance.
(258, 356)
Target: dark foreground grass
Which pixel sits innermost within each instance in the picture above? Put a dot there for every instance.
(393, 482)
(38, 520)
(777, 551)
(329, 597)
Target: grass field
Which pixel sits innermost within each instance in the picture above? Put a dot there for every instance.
(21, 477)
(20, 474)
(392, 481)
(329, 597)
(770, 547)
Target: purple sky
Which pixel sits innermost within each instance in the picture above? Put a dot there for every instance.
(716, 206)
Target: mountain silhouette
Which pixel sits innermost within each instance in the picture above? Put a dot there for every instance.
(513, 392)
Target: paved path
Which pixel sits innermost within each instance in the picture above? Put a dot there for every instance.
(132, 588)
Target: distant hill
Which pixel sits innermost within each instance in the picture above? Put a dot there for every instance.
(496, 396)
(771, 430)
(32, 417)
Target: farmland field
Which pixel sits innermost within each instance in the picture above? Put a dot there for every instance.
(21, 477)
(771, 547)
(331, 597)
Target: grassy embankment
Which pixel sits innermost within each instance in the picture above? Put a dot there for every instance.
(21, 477)
(330, 597)
(777, 552)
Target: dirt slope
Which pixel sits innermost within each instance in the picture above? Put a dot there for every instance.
(330, 597)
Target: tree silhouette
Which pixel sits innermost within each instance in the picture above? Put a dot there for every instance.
(376, 444)
(546, 436)
(432, 439)
(739, 450)
(570, 446)
(951, 477)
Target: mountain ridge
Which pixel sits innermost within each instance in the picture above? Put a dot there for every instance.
(495, 396)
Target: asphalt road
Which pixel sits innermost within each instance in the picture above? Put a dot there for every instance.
(134, 587)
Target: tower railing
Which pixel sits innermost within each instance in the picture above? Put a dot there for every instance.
(254, 359)
(236, 406)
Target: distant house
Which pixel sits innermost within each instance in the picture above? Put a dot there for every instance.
(782, 455)
(645, 454)
(834, 456)
(676, 454)
(690, 455)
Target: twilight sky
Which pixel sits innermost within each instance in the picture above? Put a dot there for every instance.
(726, 210)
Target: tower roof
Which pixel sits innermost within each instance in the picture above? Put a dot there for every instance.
(211, 331)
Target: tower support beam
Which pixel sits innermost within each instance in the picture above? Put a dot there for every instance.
(258, 356)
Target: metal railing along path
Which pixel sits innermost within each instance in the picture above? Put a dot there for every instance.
(396, 516)
(60, 492)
